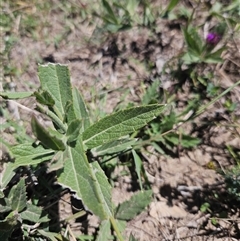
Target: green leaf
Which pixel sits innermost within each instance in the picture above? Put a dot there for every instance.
(34, 214)
(214, 221)
(216, 7)
(152, 93)
(213, 60)
(120, 124)
(1, 194)
(119, 227)
(73, 130)
(138, 166)
(7, 225)
(171, 5)
(46, 138)
(205, 207)
(137, 203)
(5, 205)
(56, 162)
(15, 95)
(214, 57)
(113, 28)
(148, 14)
(26, 154)
(131, 238)
(200, 44)
(50, 235)
(190, 58)
(68, 108)
(7, 231)
(158, 148)
(114, 147)
(17, 196)
(84, 237)
(104, 232)
(6, 174)
(132, 6)
(44, 98)
(110, 13)
(166, 124)
(55, 80)
(80, 109)
(103, 188)
(185, 140)
(193, 40)
(87, 180)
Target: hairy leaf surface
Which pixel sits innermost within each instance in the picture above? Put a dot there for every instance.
(87, 180)
(27, 154)
(46, 138)
(104, 232)
(120, 124)
(80, 109)
(17, 196)
(15, 95)
(34, 214)
(55, 79)
(129, 209)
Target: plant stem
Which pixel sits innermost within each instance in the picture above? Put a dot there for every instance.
(52, 116)
(115, 227)
(202, 109)
(76, 215)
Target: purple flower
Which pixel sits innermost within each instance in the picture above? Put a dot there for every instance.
(213, 38)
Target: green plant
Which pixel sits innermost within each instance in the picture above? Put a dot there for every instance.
(232, 179)
(118, 16)
(64, 146)
(205, 207)
(159, 133)
(232, 175)
(33, 164)
(200, 50)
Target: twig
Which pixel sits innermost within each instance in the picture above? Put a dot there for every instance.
(71, 233)
(23, 107)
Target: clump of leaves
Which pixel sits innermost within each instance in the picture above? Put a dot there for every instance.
(118, 16)
(160, 131)
(64, 147)
(232, 179)
(200, 50)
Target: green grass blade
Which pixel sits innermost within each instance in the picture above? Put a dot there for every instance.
(138, 166)
(110, 13)
(171, 5)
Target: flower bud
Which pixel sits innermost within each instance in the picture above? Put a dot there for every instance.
(213, 38)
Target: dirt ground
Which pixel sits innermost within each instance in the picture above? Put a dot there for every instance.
(182, 181)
